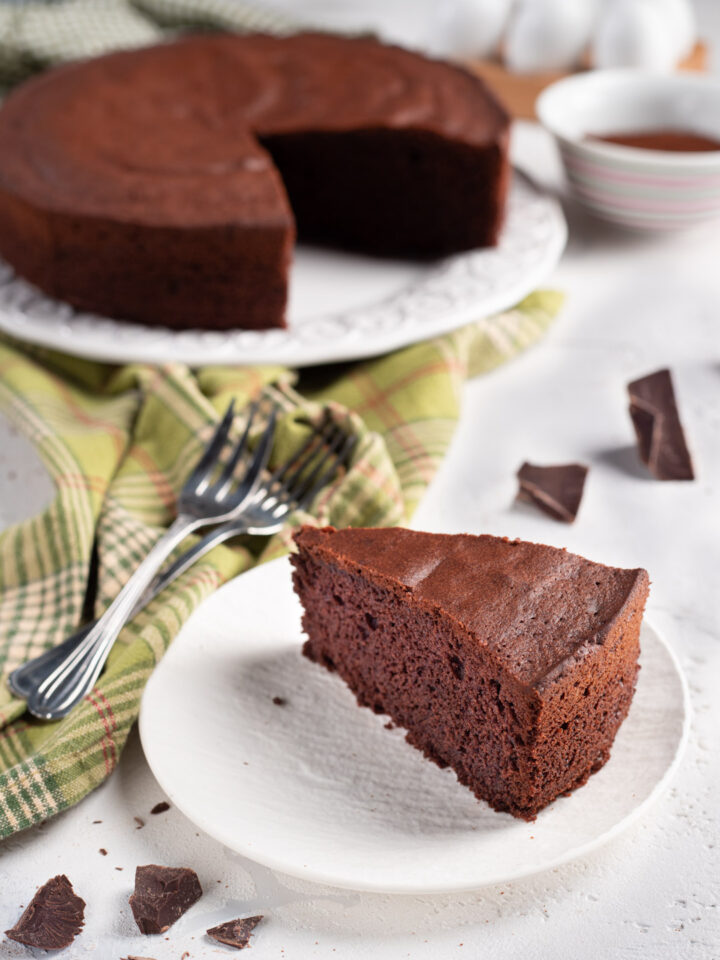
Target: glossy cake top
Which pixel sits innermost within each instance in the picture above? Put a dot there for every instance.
(170, 134)
(535, 606)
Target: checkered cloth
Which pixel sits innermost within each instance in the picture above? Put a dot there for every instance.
(119, 442)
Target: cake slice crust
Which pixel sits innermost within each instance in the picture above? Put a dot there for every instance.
(513, 663)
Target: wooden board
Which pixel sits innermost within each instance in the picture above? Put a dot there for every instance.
(519, 91)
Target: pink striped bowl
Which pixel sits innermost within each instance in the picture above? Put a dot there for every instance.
(642, 189)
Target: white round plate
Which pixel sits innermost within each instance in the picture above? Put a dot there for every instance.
(319, 789)
(341, 307)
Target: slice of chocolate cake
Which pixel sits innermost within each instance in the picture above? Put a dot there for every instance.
(512, 662)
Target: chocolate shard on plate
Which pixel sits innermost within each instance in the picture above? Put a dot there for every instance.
(660, 436)
(235, 933)
(160, 807)
(162, 895)
(556, 490)
(52, 919)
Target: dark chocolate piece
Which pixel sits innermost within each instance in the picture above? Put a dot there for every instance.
(52, 919)
(235, 933)
(660, 436)
(160, 807)
(102, 851)
(162, 895)
(556, 490)
(279, 701)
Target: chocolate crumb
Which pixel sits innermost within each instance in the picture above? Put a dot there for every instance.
(235, 933)
(658, 430)
(556, 490)
(118, 868)
(279, 701)
(102, 851)
(52, 919)
(162, 895)
(97, 821)
(140, 823)
(160, 807)
(133, 957)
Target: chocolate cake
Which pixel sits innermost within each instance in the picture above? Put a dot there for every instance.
(512, 662)
(166, 185)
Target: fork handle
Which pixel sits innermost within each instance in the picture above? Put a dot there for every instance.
(163, 579)
(214, 537)
(75, 676)
(27, 677)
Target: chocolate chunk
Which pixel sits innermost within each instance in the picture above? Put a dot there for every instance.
(556, 490)
(160, 807)
(162, 895)
(279, 701)
(660, 436)
(235, 933)
(52, 919)
(102, 851)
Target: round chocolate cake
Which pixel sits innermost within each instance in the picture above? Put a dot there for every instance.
(166, 185)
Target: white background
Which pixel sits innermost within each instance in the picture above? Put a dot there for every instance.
(633, 305)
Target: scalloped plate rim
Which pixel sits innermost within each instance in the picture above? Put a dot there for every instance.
(494, 279)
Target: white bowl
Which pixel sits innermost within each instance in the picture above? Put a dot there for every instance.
(643, 189)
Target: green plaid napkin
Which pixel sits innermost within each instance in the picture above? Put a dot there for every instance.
(119, 441)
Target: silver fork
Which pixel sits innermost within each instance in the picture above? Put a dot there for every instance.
(290, 488)
(203, 500)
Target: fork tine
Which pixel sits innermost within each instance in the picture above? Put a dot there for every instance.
(334, 457)
(340, 461)
(200, 476)
(260, 457)
(289, 476)
(299, 485)
(223, 485)
(303, 456)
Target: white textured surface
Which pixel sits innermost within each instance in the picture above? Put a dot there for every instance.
(633, 305)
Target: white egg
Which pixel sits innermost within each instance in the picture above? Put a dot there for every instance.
(636, 33)
(681, 15)
(548, 34)
(473, 27)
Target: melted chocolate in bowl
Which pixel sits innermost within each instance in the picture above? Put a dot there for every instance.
(675, 141)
